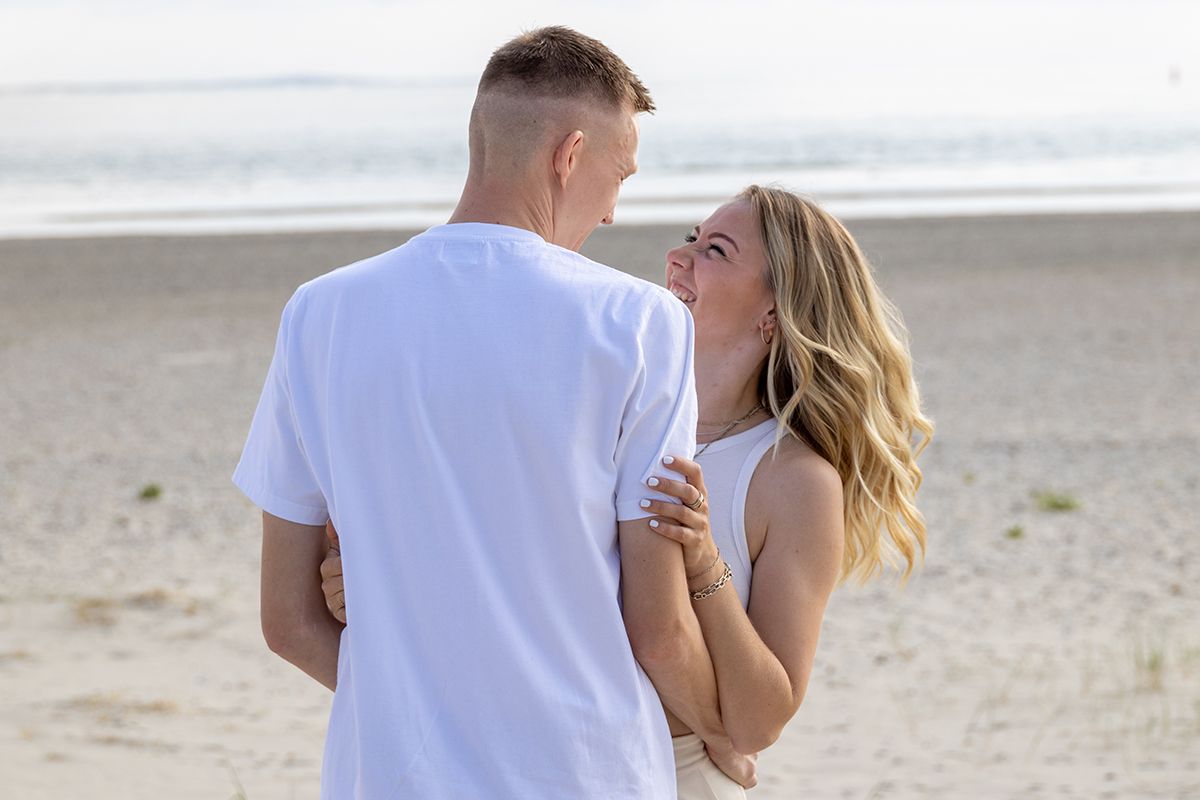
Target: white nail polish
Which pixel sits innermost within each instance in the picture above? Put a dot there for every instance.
(644, 504)
(653, 523)
(669, 460)
(652, 482)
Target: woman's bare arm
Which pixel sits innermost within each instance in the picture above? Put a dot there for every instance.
(763, 659)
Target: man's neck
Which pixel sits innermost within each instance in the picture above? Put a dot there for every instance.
(504, 206)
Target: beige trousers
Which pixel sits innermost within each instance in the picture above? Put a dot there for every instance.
(697, 777)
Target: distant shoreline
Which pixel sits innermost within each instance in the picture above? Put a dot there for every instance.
(632, 212)
(81, 269)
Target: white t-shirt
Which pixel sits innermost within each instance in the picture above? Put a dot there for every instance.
(475, 410)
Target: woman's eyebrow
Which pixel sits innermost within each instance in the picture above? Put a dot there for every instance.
(726, 238)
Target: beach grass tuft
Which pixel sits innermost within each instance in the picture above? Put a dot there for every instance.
(15, 655)
(1149, 662)
(151, 491)
(968, 478)
(1015, 532)
(1048, 500)
(100, 611)
(112, 705)
(155, 707)
(239, 792)
(149, 599)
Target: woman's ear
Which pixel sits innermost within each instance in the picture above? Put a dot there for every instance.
(766, 326)
(566, 156)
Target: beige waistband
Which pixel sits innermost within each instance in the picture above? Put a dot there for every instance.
(689, 750)
(697, 777)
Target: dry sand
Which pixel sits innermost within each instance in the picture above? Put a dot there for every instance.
(1040, 653)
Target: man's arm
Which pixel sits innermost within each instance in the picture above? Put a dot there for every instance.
(663, 629)
(295, 622)
(659, 419)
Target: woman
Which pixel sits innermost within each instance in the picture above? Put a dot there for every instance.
(799, 355)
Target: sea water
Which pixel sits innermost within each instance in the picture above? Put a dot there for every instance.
(327, 153)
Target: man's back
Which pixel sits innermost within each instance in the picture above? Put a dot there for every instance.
(473, 410)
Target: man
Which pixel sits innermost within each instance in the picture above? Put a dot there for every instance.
(478, 411)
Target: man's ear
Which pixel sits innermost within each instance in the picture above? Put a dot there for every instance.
(566, 156)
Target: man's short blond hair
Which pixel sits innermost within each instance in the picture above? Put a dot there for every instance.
(561, 62)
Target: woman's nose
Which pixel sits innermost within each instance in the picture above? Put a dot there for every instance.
(679, 257)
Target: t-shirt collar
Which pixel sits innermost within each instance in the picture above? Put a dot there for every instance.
(483, 230)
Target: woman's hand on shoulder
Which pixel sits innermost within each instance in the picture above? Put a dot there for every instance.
(685, 522)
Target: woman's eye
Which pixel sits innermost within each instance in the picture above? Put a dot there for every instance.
(691, 239)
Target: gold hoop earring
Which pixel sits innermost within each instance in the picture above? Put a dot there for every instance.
(763, 333)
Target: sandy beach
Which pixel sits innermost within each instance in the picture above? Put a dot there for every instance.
(1049, 648)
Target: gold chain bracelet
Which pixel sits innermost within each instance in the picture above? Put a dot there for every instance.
(715, 586)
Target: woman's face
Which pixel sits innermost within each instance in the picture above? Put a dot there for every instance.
(720, 275)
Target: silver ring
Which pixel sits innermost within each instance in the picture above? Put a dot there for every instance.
(696, 505)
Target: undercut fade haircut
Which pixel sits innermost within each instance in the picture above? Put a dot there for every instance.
(561, 62)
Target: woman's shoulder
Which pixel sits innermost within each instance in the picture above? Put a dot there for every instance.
(796, 492)
(796, 468)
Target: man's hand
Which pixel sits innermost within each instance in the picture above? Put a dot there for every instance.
(738, 766)
(331, 576)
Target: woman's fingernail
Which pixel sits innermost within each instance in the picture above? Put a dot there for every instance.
(644, 504)
(653, 523)
(652, 482)
(669, 460)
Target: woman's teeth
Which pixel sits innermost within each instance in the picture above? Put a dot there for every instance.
(683, 294)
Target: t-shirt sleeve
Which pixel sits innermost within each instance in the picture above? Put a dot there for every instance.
(274, 470)
(660, 414)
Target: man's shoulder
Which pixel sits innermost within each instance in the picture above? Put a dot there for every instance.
(564, 274)
(359, 275)
(355, 271)
(618, 286)
(596, 271)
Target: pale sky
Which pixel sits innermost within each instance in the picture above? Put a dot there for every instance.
(884, 53)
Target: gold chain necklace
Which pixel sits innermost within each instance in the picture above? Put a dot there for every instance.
(725, 431)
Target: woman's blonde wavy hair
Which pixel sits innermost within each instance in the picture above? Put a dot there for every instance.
(839, 377)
